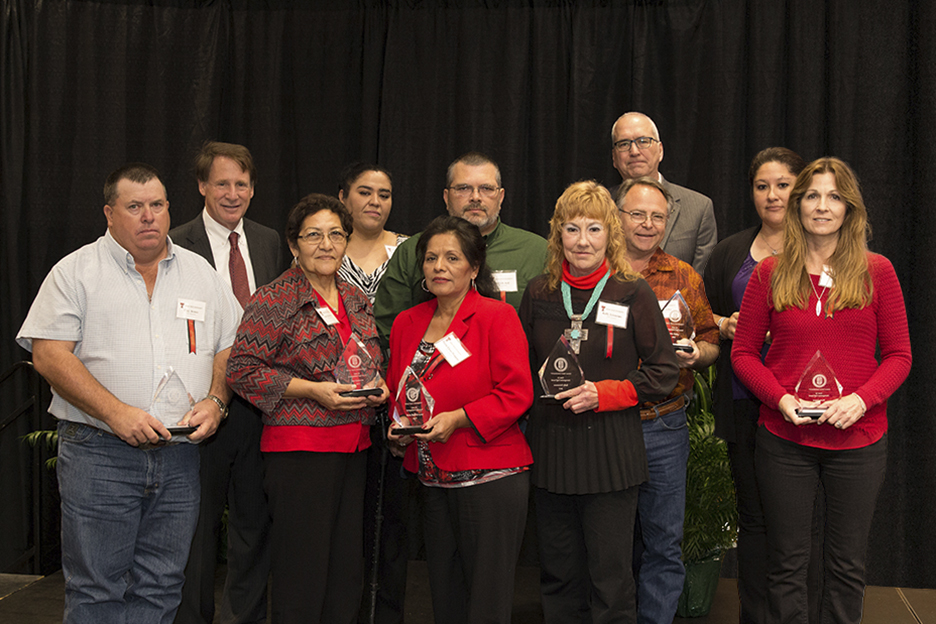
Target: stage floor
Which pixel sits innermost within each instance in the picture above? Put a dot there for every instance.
(38, 600)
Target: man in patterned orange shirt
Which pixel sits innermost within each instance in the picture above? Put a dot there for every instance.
(643, 206)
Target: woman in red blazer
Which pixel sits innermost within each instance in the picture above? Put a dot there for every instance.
(469, 354)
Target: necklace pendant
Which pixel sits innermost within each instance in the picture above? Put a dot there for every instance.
(819, 308)
(576, 334)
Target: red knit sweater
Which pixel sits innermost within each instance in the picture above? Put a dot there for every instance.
(847, 340)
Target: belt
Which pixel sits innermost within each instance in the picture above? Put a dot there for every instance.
(664, 408)
(142, 446)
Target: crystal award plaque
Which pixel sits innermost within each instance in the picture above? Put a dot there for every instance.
(415, 402)
(171, 402)
(561, 370)
(356, 368)
(678, 321)
(816, 385)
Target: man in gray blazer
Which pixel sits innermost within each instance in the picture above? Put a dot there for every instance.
(636, 150)
(246, 255)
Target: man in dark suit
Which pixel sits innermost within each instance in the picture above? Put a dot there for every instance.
(636, 150)
(246, 255)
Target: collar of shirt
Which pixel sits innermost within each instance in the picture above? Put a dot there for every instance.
(125, 259)
(218, 234)
(660, 261)
(490, 237)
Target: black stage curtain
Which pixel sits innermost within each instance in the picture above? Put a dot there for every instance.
(311, 86)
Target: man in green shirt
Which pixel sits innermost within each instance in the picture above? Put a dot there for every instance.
(473, 192)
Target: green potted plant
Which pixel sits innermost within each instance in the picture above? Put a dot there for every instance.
(711, 523)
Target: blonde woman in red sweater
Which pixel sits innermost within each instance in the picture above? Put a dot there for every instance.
(825, 293)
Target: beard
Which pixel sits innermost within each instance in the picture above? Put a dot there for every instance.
(482, 221)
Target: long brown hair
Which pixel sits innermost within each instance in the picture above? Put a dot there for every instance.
(852, 286)
(587, 199)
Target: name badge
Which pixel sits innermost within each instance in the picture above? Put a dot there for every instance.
(506, 281)
(452, 349)
(191, 310)
(328, 317)
(825, 280)
(613, 314)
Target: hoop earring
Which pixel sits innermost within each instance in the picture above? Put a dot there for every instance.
(295, 260)
(423, 284)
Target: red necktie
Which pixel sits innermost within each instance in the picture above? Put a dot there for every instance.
(238, 272)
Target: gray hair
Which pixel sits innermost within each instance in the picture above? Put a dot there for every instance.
(630, 183)
(656, 131)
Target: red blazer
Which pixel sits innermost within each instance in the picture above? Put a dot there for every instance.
(493, 384)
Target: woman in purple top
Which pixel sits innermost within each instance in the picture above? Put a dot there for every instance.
(771, 176)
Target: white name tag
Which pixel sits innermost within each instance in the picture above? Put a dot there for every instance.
(452, 349)
(506, 280)
(613, 314)
(825, 280)
(191, 310)
(328, 317)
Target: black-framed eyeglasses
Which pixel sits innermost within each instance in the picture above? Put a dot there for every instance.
(315, 238)
(639, 217)
(642, 143)
(466, 190)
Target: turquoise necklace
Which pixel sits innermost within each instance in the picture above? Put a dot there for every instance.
(575, 334)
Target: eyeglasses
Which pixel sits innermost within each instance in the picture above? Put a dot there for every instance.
(466, 190)
(642, 143)
(315, 238)
(639, 217)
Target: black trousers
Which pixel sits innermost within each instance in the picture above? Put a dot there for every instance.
(232, 474)
(317, 504)
(473, 536)
(789, 475)
(586, 545)
(393, 556)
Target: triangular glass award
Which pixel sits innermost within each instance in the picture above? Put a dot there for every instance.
(678, 319)
(561, 370)
(816, 385)
(355, 366)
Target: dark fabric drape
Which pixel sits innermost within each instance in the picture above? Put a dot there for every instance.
(89, 85)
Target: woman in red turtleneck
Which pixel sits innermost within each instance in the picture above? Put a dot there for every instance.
(588, 452)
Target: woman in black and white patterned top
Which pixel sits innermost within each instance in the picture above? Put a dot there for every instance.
(367, 192)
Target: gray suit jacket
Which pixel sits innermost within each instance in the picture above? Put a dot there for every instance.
(691, 232)
(266, 251)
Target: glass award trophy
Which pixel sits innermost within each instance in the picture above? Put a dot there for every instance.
(356, 368)
(561, 370)
(678, 321)
(416, 403)
(171, 403)
(816, 385)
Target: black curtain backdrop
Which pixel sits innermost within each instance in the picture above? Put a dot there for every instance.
(89, 85)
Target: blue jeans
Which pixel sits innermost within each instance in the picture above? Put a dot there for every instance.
(661, 506)
(128, 516)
